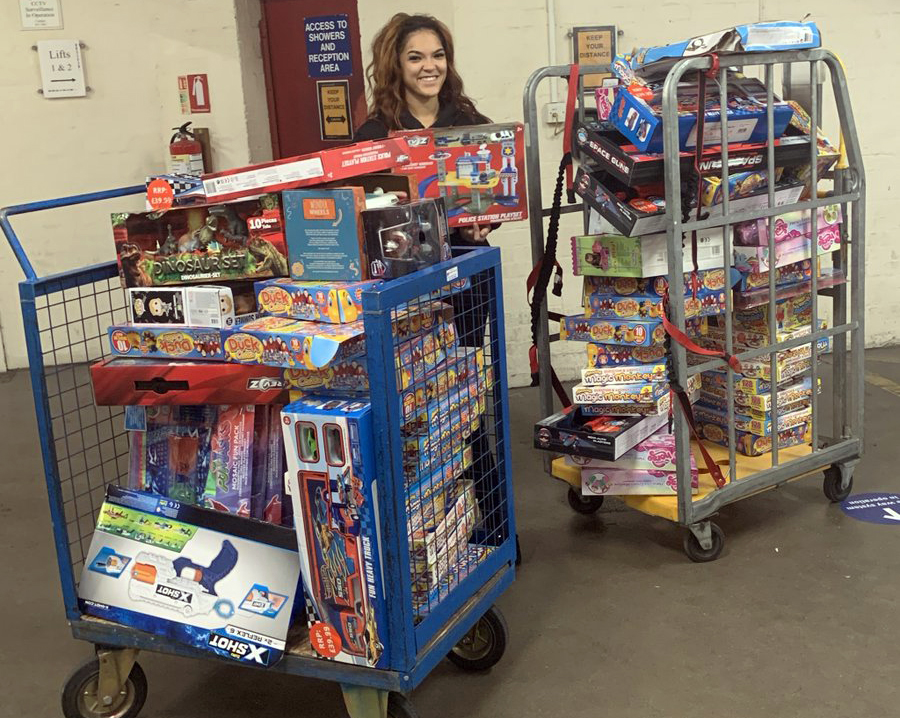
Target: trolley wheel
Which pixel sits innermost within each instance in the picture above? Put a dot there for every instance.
(832, 484)
(399, 706)
(80, 697)
(584, 504)
(483, 646)
(696, 553)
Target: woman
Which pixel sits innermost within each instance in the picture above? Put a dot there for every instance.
(415, 86)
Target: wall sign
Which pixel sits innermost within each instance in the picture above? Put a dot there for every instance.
(594, 45)
(334, 109)
(41, 14)
(874, 508)
(62, 72)
(198, 93)
(328, 46)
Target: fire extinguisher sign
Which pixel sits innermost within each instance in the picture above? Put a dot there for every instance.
(193, 93)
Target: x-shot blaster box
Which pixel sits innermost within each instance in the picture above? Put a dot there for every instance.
(404, 238)
(209, 580)
(333, 302)
(479, 171)
(331, 459)
(201, 243)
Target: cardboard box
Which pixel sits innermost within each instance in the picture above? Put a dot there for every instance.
(611, 255)
(740, 185)
(479, 171)
(580, 328)
(661, 407)
(419, 355)
(789, 274)
(333, 302)
(199, 306)
(655, 453)
(456, 368)
(751, 423)
(619, 393)
(122, 381)
(619, 481)
(633, 217)
(201, 243)
(751, 445)
(603, 437)
(790, 251)
(208, 580)
(317, 168)
(609, 152)
(406, 237)
(610, 355)
(789, 226)
(639, 374)
(158, 341)
(709, 280)
(349, 376)
(611, 306)
(324, 234)
(379, 183)
(331, 474)
(428, 496)
(752, 298)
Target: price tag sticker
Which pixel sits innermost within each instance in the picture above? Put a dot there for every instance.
(160, 195)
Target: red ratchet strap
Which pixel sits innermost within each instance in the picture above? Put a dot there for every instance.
(554, 379)
(711, 465)
(567, 128)
(679, 336)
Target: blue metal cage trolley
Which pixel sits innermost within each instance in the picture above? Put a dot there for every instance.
(85, 448)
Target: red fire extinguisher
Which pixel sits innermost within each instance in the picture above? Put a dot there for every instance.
(185, 152)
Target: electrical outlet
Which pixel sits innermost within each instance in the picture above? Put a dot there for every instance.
(555, 113)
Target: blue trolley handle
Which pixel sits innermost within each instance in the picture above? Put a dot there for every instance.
(7, 212)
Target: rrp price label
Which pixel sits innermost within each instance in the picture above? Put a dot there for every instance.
(325, 640)
(160, 195)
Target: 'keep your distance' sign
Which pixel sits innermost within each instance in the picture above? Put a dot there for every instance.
(328, 46)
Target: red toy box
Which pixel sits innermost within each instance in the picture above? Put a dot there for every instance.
(479, 171)
(313, 169)
(200, 244)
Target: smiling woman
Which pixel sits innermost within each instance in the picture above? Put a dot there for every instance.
(414, 85)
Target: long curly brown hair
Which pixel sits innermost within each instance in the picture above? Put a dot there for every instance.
(385, 76)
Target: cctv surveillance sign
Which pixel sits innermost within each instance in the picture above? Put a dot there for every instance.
(328, 46)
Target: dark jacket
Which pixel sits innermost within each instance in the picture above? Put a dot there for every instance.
(376, 128)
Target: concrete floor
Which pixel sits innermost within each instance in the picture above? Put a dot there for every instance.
(607, 617)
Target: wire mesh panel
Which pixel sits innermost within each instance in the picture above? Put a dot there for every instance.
(85, 446)
(450, 445)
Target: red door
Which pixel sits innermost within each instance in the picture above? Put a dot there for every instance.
(310, 50)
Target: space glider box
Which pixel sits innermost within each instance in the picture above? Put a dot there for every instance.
(210, 580)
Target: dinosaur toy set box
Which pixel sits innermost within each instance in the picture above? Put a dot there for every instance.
(208, 579)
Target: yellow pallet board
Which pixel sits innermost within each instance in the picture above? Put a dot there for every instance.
(667, 506)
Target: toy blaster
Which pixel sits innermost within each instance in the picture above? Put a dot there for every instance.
(182, 585)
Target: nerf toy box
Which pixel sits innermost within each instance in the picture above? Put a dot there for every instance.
(478, 171)
(788, 251)
(618, 481)
(639, 373)
(571, 431)
(200, 243)
(333, 302)
(580, 328)
(158, 341)
(609, 355)
(289, 343)
(751, 445)
(637, 114)
(788, 226)
(209, 580)
(610, 152)
(317, 168)
(612, 255)
(404, 238)
(122, 381)
(324, 234)
(619, 393)
(185, 306)
(331, 475)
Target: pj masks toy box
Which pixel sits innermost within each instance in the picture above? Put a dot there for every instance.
(200, 244)
(331, 474)
(479, 171)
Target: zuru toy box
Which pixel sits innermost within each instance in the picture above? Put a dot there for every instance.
(331, 464)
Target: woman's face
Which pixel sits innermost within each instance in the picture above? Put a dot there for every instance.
(424, 64)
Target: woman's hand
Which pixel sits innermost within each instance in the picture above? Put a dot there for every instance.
(475, 233)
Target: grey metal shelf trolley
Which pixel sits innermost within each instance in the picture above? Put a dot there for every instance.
(836, 452)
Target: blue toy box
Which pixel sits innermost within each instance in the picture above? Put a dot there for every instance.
(207, 579)
(324, 234)
(159, 341)
(330, 451)
(333, 302)
(640, 120)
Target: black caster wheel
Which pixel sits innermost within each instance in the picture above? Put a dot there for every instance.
(696, 553)
(482, 646)
(81, 698)
(399, 706)
(584, 504)
(832, 485)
